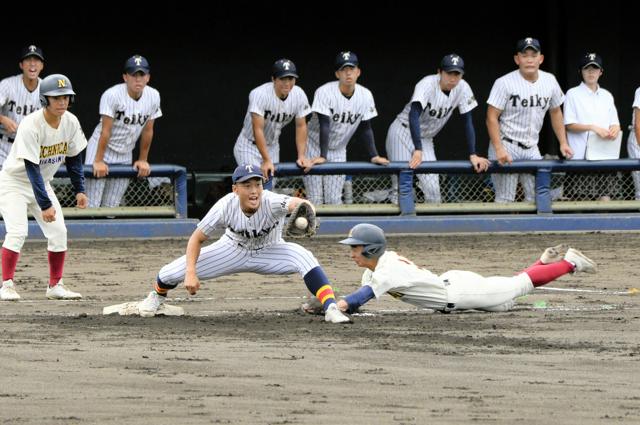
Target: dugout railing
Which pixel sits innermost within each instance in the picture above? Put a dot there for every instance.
(162, 194)
(561, 186)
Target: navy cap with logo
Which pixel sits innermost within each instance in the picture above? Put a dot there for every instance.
(452, 63)
(137, 63)
(346, 58)
(284, 68)
(527, 43)
(32, 50)
(245, 172)
(591, 59)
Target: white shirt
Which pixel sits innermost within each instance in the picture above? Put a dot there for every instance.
(276, 112)
(402, 279)
(585, 106)
(524, 104)
(16, 102)
(636, 104)
(38, 142)
(345, 114)
(261, 229)
(129, 116)
(436, 105)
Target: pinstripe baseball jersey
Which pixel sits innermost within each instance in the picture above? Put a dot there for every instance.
(16, 102)
(436, 105)
(260, 230)
(345, 114)
(636, 104)
(276, 112)
(41, 144)
(524, 104)
(632, 143)
(129, 118)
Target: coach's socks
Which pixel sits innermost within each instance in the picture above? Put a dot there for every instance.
(56, 267)
(9, 263)
(318, 284)
(541, 274)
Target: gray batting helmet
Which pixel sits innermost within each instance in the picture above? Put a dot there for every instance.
(371, 238)
(55, 85)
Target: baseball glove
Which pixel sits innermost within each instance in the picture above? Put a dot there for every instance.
(305, 210)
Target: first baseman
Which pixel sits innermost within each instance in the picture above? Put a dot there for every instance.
(45, 139)
(272, 106)
(19, 96)
(127, 113)
(252, 219)
(410, 136)
(341, 110)
(518, 103)
(391, 273)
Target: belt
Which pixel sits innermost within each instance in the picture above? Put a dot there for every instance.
(521, 145)
(8, 139)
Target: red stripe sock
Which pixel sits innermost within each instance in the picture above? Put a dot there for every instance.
(541, 274)
(56, 267)
(9, 263)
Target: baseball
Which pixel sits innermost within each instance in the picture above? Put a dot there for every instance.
(301, 223)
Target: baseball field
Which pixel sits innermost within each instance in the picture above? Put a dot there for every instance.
(244, 354)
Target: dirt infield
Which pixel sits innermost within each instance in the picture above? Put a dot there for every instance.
(243, 354)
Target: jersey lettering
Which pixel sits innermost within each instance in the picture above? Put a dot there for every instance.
(21, 109)
(346, 117)
(282, 117)
(533, 101)
(438, 113)
(134, 119)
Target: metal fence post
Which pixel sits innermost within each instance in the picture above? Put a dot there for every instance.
(406, 200)
(543, 191)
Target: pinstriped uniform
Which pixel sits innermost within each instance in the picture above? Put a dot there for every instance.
(129, 118)
(16, 102)
(277, 113)
(345, 115)
(523, 105)
(632, 143)
(437, 108)
(249, 244)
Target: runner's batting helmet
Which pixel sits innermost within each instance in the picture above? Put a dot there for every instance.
(55, 85)
(371, 238)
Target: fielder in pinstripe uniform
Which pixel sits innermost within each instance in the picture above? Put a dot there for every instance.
(19, 96)
(410, 136)
(633, 143)
(341, 109)
(127, 112)
(518, 103)
(272, 106)
(253, 220)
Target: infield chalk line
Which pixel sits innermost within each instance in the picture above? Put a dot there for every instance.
(632, 291)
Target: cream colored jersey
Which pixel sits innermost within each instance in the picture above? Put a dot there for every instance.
(401, 278)
(38, 142)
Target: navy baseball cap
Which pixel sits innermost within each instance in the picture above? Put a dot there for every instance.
(136, 63)
(591, 59)
(32, 50)
(284, 68)
(346, 58)
(245, 172)
(528, 43)
(452, 63)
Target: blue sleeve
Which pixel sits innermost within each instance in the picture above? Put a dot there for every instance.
(358, 298)
(414, 124)
(76, 172)
(469, 132)
(365, 133)
(324, 134)
(37, 183)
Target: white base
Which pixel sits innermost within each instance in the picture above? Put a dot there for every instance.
(131, 309)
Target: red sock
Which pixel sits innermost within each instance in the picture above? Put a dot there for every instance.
(56, 267)
(541, 274)
(9, 263)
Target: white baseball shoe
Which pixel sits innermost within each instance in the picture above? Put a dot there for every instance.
(60, 292)
(150, 305)
(554, 254)
(581, 261)
(334, 315)
(8, 291)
